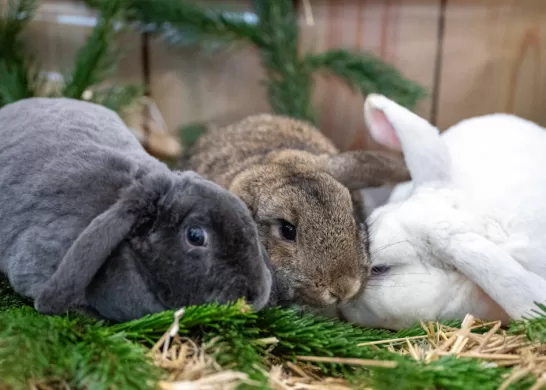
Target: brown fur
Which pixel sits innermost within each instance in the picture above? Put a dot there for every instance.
(285, 169)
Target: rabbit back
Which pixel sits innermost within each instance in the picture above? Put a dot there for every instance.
(61, 167)
(498, 154)
(499, 160)
(221, 153)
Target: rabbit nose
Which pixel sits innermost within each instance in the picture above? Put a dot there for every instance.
(346, 289)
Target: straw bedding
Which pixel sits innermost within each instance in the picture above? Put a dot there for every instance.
(190, 367)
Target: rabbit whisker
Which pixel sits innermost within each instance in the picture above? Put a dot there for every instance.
(406, 273)
(391, 285)
(387, 246)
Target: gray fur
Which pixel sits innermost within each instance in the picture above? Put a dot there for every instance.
(91, 221)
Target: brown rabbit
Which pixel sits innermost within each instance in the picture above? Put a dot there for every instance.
(300, 191)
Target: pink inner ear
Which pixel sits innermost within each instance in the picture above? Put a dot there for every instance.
(382, 130)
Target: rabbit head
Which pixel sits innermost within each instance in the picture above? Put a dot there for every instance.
(171, 240)
(433, 255)
(304, 210)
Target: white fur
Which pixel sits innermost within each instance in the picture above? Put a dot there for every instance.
(468, 234)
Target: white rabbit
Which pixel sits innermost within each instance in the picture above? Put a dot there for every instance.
(468, 234)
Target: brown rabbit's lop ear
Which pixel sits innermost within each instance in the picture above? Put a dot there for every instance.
(65, 289)
(362, 169)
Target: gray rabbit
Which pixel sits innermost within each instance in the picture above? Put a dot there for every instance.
(91, 222)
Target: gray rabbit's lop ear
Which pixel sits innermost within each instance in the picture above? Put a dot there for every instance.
(361, 169)
(65, 289)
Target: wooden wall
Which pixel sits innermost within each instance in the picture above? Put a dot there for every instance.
(473, 56)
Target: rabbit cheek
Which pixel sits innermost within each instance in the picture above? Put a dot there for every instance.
(472, 299)
(260, 290)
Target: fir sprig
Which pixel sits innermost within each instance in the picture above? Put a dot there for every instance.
(19, 77)
(534, 328)
(367, 74)
(96, 355)
(8, 298)
(289, 81)
(445, 373)
(15, 18)
(97, 59)
(77, 350)
(235, 347)
(275, 34)
(211, 316)
(117, 98)
(180, 22)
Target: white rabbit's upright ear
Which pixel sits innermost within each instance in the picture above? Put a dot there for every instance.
(398, 128)
(500, 276)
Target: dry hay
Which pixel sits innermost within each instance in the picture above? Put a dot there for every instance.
(190, 367)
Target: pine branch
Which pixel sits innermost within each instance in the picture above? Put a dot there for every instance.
(76, 350)
(367, 74)
(14, 20)
(445, 373)
(289, 83)
(8, 298)
(211, 315)
(180, 22)
(98, 58)
(19, 77)
(235, 347)
(189, 133)
(289, 78)
(93, 354)
(534, 328)
(118, 98)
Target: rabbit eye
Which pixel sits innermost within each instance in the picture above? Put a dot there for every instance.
(288, 231)
(196, 236)
(380, 270)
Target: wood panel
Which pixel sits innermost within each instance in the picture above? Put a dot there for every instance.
(401, 32)
(61, 28)
(191, 85)
(493, 60)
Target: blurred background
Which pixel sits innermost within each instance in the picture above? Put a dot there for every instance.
(193, 64)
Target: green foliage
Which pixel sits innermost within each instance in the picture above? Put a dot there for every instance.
(19, 78)
(82, 352)
(190, 133)
(289, 81)
(212, 316)
(445, 373)
(91, 354)
(534, 328)
(275, 34)
(367, 74)
(96, 60)
(117, 98)
(183, 22)
(14, 19)
(20, 75)
(8, 299)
